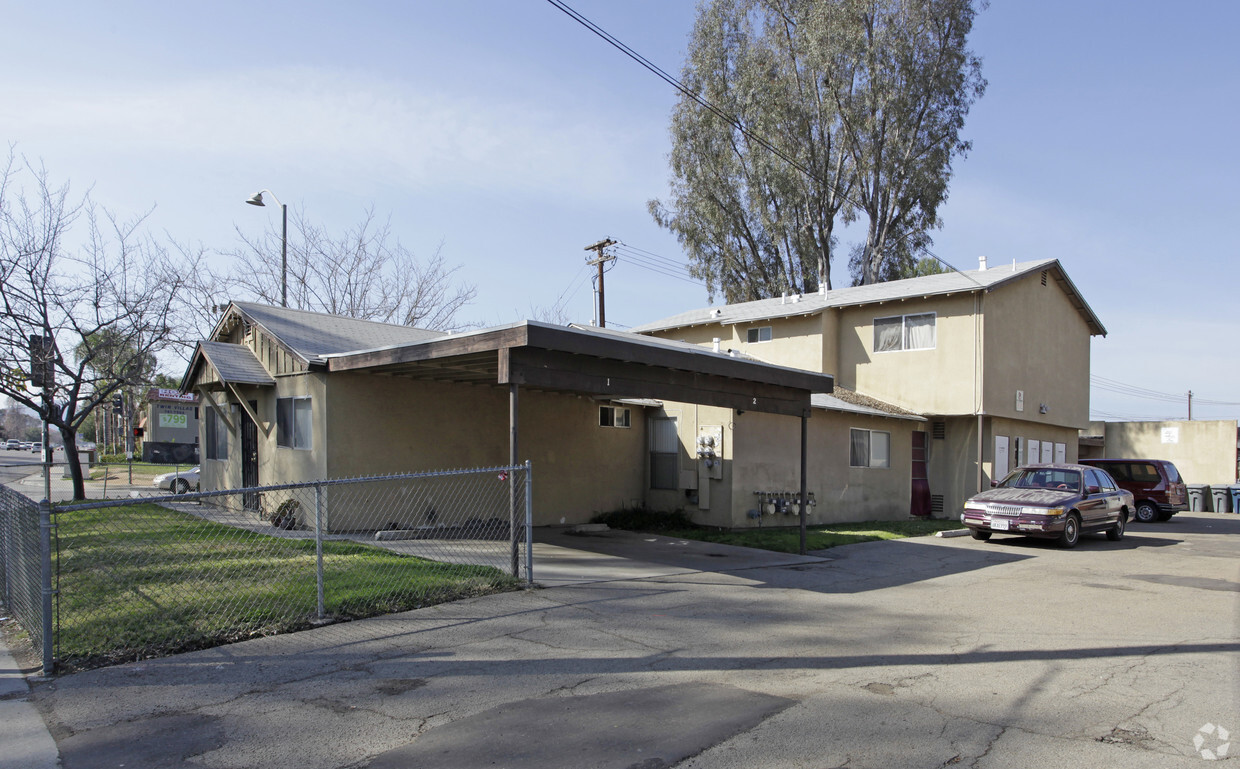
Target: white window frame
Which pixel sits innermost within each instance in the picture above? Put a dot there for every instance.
(759, 334)
(904, 332)
(871, 460)
(299, 435)
(615, 416)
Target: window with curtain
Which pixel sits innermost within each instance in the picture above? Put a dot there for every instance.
(869, 448)
(294, 429)
(905, 332)
(216, 435)
(664, 452)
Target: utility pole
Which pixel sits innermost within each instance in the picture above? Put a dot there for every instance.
(600, 259)
(1190, 405)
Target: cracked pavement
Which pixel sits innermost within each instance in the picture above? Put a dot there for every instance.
(908, 653)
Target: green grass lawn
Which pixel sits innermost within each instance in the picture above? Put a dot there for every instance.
(784, 540)
(144, 581)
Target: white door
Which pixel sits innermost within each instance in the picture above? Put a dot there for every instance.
(1034, 452)
(1048, 452)
(1001, 457)
(1061, 452)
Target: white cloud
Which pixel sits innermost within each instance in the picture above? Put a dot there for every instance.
(349, 125)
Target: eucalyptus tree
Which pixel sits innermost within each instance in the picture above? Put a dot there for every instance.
(799, 113)
(901, 104)
(759, 174)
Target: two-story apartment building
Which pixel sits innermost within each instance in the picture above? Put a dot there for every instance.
(996, 361)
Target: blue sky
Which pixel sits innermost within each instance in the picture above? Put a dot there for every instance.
(508, 133)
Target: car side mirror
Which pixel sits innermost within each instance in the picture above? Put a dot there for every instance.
(994, 484)
(1095, 489)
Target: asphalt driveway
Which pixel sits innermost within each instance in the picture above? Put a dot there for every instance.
(911, 653)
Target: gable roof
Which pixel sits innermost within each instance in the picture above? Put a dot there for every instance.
(314, 335)
(235, 363)
(942, 284)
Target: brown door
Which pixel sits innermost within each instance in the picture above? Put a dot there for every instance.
(919, 503)
(249, 457)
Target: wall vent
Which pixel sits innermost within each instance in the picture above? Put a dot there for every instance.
(1044, 277)
(938, 430)
(936, 503)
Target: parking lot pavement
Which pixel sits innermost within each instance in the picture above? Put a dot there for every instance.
(909, 653)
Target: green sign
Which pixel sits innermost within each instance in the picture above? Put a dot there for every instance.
(173, 420)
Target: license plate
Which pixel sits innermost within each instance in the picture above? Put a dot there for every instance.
(999, 524)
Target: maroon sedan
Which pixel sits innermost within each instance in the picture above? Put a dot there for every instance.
(1056, 501)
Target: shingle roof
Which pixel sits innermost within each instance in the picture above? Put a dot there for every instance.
(841, 399)
(234, 363)
(313, 335)
(929, 285)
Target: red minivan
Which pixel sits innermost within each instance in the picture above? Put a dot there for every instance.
(1155, 484)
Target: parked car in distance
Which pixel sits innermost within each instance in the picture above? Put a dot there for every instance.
(178, 483)
(12, 444)
(1156, 485)
(1052, 501)
(36, 448)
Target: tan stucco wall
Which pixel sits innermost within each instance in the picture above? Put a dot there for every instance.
(934, 381)
(275, 464)
(795, 341)
(953, 459)
(771, 445)
(1035, 341)
(388, 424)
(1205, 451)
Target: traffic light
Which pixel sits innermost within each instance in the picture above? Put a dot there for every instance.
(117, 403)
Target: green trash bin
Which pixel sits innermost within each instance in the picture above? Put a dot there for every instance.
(1198, 497)
(1221, 494)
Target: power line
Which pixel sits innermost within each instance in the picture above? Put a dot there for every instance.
(725, 117)
(1123, 388)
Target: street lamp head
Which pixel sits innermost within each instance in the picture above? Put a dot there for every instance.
(256, 199)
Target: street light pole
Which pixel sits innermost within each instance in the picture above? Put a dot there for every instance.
(257, 200)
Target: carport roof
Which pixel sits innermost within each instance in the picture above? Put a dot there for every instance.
(594, 361)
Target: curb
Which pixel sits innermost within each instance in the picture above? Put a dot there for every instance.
(952, 533)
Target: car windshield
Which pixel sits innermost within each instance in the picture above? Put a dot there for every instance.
(1043, 478)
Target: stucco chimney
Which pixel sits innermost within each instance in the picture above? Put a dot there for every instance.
(981, 263)
(717, 340)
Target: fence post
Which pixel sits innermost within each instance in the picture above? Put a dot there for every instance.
(529, 524)
(318, 546)
(45, 553)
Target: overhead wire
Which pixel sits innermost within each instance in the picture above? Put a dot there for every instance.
(718, 112)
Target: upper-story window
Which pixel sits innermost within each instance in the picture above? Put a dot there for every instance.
(759, 334)
(614, 416)
(904, 332)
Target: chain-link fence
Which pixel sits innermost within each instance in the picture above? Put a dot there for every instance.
(21, 562)
(146, 576)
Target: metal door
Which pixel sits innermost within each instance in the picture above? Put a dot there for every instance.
(249, 457)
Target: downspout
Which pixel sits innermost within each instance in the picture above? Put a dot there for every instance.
(978, 380)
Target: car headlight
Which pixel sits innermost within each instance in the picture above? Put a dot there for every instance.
(1043, 511)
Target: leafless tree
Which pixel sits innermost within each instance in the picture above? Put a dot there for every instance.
(101, 291)
(364, 273)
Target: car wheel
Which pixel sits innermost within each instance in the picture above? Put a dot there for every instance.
(1146, 512)
(1071, 531)
(979, 534)
(1116, 532)
(180, 486)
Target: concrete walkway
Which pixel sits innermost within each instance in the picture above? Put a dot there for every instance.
(25, 740)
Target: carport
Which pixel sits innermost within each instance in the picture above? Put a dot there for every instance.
(599, 363)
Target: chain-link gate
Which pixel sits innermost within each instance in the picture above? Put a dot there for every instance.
(148, 576)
